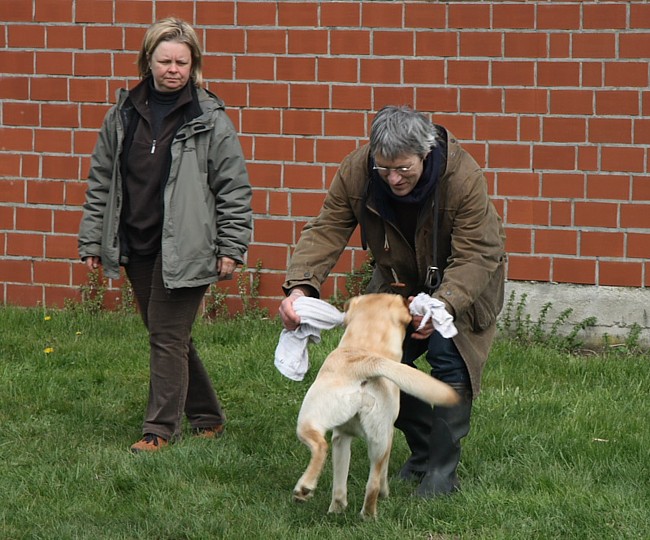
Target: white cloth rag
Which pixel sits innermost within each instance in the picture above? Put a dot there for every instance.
(434, 310)
(291, 355)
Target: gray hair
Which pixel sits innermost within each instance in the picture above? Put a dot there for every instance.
(399, 130)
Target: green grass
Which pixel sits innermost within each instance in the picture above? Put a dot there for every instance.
(559, 446)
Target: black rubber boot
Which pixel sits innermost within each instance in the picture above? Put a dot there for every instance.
(415, 420)
(450, 425)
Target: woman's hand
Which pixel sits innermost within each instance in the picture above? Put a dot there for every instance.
(225, 267)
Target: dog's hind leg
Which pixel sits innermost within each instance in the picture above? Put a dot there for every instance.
(377, 486)
(341, 444)
(314, 439)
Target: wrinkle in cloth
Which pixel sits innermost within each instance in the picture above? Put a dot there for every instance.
(291, 353)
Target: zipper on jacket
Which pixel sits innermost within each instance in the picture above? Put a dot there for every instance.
(153, 146)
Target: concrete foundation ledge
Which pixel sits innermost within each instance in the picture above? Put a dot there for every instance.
(616, 309)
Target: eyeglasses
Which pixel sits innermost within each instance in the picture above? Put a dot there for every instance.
(398, 170)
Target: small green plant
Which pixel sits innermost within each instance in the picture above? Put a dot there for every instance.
(215, 303)
(127, 302)
(356, 282)
(517, 324)
(93, 294)
(248, 286)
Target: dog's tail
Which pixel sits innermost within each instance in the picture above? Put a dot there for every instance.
(410, 380)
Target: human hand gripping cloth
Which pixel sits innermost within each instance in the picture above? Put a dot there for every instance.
(291, 355)
(433, 309)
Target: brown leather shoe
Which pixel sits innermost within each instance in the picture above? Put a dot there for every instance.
(209, 432)
(149, 443)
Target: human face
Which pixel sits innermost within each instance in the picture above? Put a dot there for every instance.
(401, 174)
(171, 66)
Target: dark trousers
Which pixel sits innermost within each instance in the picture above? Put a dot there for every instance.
(416, 418)
(178, 383)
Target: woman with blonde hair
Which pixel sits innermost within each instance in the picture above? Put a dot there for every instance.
(168, 198)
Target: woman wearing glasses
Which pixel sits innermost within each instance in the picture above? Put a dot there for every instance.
(422, 204)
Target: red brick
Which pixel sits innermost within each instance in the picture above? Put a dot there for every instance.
(527, 268)
(349, 42)
(561, 214)
(602, 244)
(180, 8)
(33, 219)
(19, 62)
(467, 72)
(383, 15)
(513, 73)
(25, 245)
(444, 99)
(556, 241)
(617, 102)
(61, 247)
(613, 157)
(518, 240)
(641, 188)
(635, 216)
(340, 14)
(67, 221)
(563, 186)
(308, 42)
(580, 271)
(347, 124)
(592, 45)
(298, 14)
(97, 11)
(9, 166)
(554, 157)
(523, 45)
(279, 204)
(266, 41)
(53, 10)
(592, 74)
(424, 15)
(471, 15)
(381, 71)
(14, 87)
(334, 150)
(309, 96)
(271, 230)
(436, 44)
(16, 139)
(60, 167)
(634, 45)
(338, 70)
(302, 122)
(264, 174)
(303, 177)
(21, 11)
(527, 101)
(558, 129)
(212, 13)
(513, 184)
(508, 156)
(481, 43)
(57, 273)
(620, 273)
(528, 212)
(481, 100)
(638, 245)
(104, 37)
(351, 97)
(633, 74)
(296, 69)
(596, 214)
(26, 36)
(392, 43)
(610, 130)
(614, 187)
(558, 17)
(15, 271)
(45, 192)
(556, 74)
(530, 128)
(404, 95)
(496, 127)
(420, 72)
(572, 101)
(513, 16)
(588, 158)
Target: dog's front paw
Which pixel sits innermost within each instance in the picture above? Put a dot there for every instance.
(337, 506)
(302, 494)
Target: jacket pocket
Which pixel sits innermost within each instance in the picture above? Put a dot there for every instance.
(484, 311)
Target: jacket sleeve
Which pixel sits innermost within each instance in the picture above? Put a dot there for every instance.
(102, 164)
(477, 244)
(231, 188)
(325, 236)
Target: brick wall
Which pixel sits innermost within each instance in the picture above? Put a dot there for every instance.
(550, 97)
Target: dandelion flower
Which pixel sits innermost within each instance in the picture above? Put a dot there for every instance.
(48, 350)
(47, 318)
(77, 333)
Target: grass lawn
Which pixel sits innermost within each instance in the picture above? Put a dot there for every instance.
(559, 446)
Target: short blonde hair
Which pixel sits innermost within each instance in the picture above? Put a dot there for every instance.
(171, 29)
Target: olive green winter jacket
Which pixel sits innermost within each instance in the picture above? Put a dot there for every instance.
(206, 198)
(470, 246)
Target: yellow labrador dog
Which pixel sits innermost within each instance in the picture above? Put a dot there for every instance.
(356, 393)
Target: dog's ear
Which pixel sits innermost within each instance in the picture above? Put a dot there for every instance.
(350, 303)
